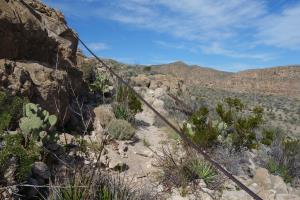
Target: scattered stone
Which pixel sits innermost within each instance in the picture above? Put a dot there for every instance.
(118, 166)
(104, 115)
(66, 139)
(235, 195)
(201, 183)
(287, 197)
(141, 81)
(9, 174)
(41, 170)
(262, 178)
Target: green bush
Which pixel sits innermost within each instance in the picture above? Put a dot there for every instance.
(241, 126)
(121, 112)
(147, 69)
(13, 146)
(10, 110)
(280, 170)
(199, 128)
(120, 129)
(267, 136)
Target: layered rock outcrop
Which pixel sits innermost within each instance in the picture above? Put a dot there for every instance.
(38, 56)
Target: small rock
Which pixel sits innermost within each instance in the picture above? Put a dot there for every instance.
(66, 138)
(286, 197)
(262, 178)
(279, 185)
(118, 166)
(235, 195)
(104, 115)
(41, 170)
(202, 184)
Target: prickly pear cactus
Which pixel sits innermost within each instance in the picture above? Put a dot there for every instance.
(36, 120)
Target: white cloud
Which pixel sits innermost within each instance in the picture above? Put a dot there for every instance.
(98, 46)
(281, 30)
(217, 49)
(188, 19)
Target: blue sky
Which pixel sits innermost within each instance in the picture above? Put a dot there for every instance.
(229, 35)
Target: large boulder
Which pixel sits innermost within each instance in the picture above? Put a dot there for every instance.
(38, 56)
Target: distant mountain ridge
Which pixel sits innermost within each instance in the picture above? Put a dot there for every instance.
(281, 80)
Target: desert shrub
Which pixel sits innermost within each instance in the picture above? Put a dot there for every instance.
(173, 171)
(121, 112)
(267, 136)
(200, 129)
(10, 110)
(126, 97)
(285, 157)
(13, 146)
(127, 105)
(120, 129)
(147, 69)
(280, 170)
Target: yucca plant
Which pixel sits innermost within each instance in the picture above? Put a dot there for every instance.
(203, 170)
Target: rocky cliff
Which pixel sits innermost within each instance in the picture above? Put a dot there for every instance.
(38, 56)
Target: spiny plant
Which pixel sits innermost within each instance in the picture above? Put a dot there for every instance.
(36, 122)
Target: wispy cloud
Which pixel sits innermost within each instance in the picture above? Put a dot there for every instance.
(189, 19)
(217, 49)
(98, 46)
(281, 30)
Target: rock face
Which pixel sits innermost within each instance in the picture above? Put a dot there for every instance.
(32, 31)
(38, 56)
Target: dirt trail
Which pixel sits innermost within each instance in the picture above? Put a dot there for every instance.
(139, 155)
